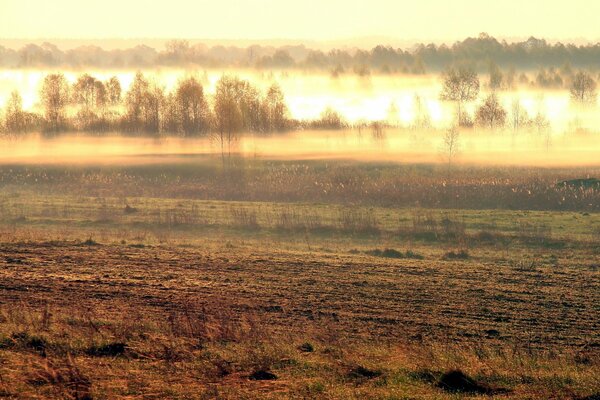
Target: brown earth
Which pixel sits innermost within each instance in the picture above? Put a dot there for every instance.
(553, 304)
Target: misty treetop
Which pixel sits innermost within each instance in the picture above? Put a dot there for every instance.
(478, 51)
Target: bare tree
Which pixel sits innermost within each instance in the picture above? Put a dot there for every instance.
(134, 101)
(583, 89)
(152, 106)
(275, 110)
(227, 113)
(144, 104)
(177, 51)
(461, 85)
(170, 121)
(113, 91)
(249, 103)
(422, 119)
(191, 107)
(330, 119)
(541, 125)
(491, 114)
(54, 94)
(14, 120)
(89, 92)
(451, 144)
(378, 132)
(496, 77)
(519, 117)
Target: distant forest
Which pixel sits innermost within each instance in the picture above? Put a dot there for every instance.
(478, 53)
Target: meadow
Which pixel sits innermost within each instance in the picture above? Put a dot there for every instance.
(180, 277)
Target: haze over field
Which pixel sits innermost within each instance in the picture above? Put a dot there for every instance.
(400, 102)
(285, 199)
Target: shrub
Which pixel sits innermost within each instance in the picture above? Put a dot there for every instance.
(458, 255)
(107, 349)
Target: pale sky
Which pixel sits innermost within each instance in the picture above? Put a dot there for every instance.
(298, 19)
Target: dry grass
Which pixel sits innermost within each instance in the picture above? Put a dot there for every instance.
(207, 352)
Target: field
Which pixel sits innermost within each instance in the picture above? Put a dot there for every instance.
(298, 279)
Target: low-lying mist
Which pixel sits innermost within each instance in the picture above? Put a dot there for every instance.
(390, 145)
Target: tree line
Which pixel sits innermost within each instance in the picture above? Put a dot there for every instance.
(479, 52)
(95, 106)
(461, 85)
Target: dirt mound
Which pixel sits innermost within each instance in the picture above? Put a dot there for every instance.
(107, 350)
(262, 375)
(457, 381)
(361, 372)
(306, 347)
(595, 396)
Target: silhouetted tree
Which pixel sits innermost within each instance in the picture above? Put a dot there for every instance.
(378, 132)
(583, 89)
(227, 112)
(54, 95)
(491, 114)
(113, 91)
(144, 103)
(14, 116)
(496, 77)
(177, 51)
(549, 79)
(191, 107)
(541, 123)
(152, 105)
(519, 117)
(250, 105)
(450, 145)
(170, 121)
(134, 101)
(274, 109)
(329, 119)
(89, 92)
(461, 85)
(421, 119)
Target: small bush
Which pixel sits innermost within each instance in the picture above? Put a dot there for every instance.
(306, 348)
(130, 210)
(36, 343)
(457, 382)
(413, 255)
(361, 372)
(107, 350)
(90, 242)
(458, 255)
(262, 375)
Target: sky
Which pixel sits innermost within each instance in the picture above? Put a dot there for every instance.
(325, 20)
